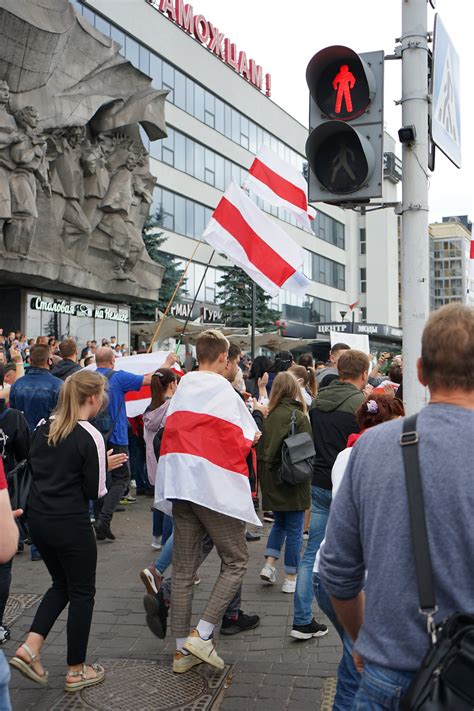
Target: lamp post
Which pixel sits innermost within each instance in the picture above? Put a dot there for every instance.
(343, 315)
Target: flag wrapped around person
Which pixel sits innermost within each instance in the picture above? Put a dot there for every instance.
(256, 244)
(280, 184)
(205, 444)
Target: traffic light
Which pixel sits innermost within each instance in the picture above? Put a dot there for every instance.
(345, 144)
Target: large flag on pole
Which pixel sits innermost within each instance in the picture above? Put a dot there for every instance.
(281, 184)
(208, 435)
(252, 241)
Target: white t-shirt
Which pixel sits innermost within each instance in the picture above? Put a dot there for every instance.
(337, 475)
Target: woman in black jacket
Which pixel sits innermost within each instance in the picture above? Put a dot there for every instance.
(68, 468)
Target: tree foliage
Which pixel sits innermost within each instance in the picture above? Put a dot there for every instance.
(235, 301)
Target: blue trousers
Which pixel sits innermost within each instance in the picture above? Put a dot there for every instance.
(288, 525)
(162, 526)
(381, 688)
(320, 505)
(348, 678)
(4, 679)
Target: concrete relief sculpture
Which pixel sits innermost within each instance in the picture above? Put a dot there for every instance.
(75, 185)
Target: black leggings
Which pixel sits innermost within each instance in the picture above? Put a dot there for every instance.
(5, 582)
(68, 548)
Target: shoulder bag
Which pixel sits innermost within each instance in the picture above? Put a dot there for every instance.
(445, 679)
(297, 455)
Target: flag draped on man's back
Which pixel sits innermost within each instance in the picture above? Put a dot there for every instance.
(204, 448)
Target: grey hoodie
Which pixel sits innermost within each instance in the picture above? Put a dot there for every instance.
(153, 420)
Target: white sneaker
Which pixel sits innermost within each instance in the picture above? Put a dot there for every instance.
(289, 586)
(156, 544)
(203, 649)
(182, 663)
(268, 574)
(133, 484)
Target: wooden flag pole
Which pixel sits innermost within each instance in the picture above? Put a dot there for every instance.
(180, 281)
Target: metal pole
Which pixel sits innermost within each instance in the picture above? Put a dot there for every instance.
(254, 306)
(194, 301)
(415, 244)
(353, 319)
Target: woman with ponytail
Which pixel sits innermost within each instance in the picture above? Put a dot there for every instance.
(68, 467)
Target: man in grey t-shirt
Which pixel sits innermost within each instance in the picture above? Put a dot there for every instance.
(369, 527)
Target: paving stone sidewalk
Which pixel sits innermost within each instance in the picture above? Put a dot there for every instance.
(269, 669)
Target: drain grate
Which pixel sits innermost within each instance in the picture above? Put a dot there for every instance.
(144, 685)
(17, 603)
(329, 692)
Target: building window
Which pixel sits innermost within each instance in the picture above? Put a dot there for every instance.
(363, 314)
(362, 240)
(326, 271)
(363, 280)
(329, 230)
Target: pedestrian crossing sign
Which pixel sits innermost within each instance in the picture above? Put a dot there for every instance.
(445, 109)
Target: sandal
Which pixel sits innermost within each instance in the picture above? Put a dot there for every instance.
(26, 669)
(84, 683)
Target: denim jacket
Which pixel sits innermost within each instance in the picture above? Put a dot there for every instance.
(35, 394)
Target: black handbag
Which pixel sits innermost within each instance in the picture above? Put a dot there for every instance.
(19, 484)
(445, 679)
(297, 455)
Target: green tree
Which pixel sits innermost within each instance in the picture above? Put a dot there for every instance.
(153, 239)
(235, 301)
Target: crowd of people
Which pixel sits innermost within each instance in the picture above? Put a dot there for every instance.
(315, 447)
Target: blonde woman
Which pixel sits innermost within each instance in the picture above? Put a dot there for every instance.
(287, 502)
(68, 467)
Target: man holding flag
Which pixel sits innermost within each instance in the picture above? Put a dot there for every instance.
(203, 471)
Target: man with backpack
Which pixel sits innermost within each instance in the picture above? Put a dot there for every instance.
(14, 448)
(114, 427)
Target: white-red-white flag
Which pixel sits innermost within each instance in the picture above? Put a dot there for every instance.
(280, 184)
(471, 260)
(208, 435)
(252, 241)
(136, 402)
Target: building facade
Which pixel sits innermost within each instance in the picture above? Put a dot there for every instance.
(450, 264)
(219, 112)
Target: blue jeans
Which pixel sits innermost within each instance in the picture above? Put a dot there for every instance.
(320, 504)
(348, 678)
(381, 688)
(4, 679)
(138, 471)
(164, 559)
(162, 525)
(289, 525)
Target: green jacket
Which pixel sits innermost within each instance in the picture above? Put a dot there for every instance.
(281, 497)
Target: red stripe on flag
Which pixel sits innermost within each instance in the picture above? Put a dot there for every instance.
(206, 436)
(472, 249)
(142, 394)
(281, 186)
(259, 253)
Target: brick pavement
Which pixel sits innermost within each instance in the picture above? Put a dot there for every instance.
(271, 671)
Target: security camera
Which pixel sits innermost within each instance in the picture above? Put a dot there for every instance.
(407, 134)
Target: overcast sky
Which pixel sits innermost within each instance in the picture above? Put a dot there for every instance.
(282, 36)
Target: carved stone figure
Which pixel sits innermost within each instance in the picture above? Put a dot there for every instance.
(67, 184)
(28, 154)
(8, 133)
(96, 176)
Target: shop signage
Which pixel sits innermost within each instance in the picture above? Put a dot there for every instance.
(210, 315)
(371, 329)
(216, 42)
(181, 310)
(65, 307)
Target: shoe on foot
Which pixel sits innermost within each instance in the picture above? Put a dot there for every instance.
(289, 586)
(241, 624)
(268, 516)
(102, 531)
(184, 662)
(268, 574)
(156, 544)
(156, 614)
(4, 634)
(203, 649)
(314, 629)
(197, 580)
(151, 579)
(250, 536)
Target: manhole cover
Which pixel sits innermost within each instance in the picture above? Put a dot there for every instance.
(144, 685)
(17, 603)
(329, 692)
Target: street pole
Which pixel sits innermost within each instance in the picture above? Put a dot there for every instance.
(254, 306)
(415, 244)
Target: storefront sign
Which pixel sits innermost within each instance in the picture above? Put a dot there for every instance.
(209, 36)
(371, 329)
(211, 315)
(64, 307)
(181, 310)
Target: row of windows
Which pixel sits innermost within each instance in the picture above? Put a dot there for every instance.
(191, 97)
(187, 217)
(313, 310)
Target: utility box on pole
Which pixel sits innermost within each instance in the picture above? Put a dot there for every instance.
(345, 144)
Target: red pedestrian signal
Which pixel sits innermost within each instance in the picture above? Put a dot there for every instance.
(345, 145)
(343, 82)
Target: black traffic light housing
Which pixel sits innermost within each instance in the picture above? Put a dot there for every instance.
(345, 145)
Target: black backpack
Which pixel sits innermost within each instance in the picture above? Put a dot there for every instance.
(297, 456)
(103, 420)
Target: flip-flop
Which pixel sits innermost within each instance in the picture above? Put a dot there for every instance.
(84, 683)
(26, 669)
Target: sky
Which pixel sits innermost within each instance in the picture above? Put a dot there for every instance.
(282, 36)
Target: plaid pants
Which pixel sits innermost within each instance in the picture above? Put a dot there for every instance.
(191, 523)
